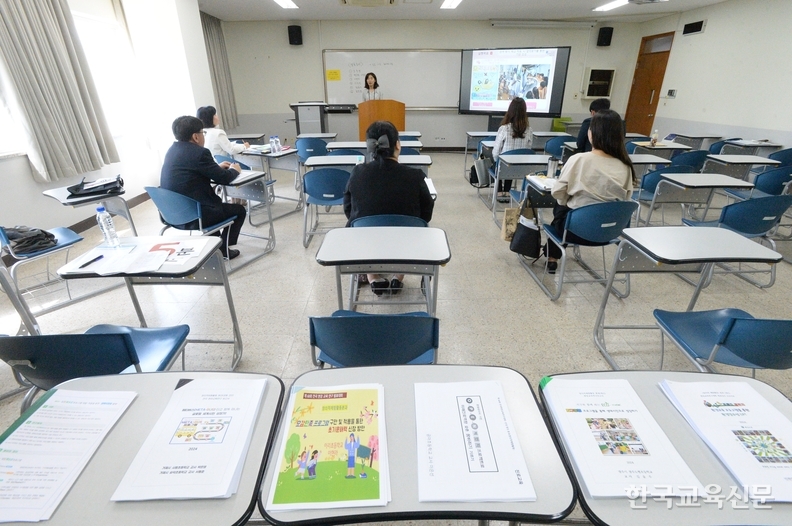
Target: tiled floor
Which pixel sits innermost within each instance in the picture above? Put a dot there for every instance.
(490, 310)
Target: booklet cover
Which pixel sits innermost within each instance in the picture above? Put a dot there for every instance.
(614, 440)
(334, 452)
(468, 450)
(751, 437)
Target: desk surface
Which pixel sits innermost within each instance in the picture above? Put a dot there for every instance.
(481, 133)
(64, 197)
(167, 270)
(551, 134)
(384, 244)
(699, 136)
(699, 180)
(749, 143)
(88, 501)
(362, 144)
(246, 136)
(661, 145)
(247, 176)
(701, 460)
(525, 159)
(675, 245)
(646, 158)
(331, 136)
(555, 495)
(743, 159)
(346, 160)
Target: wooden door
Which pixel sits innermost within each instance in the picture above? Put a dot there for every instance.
(647, 82)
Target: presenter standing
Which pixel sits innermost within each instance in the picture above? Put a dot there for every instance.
(371, 88)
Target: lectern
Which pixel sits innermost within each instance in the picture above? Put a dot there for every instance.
(311, 117)
(380, 110)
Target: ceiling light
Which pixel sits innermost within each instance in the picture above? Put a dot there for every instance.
(286, 4)
(611, 5)
(450, 4)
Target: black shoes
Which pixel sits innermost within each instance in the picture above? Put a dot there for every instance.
(380, 287)
(230, 253)
(395, 286)
(552, 266)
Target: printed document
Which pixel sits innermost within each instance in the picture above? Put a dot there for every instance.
(334, 453)
(751, 437)
(197, 448)
(46, 449)
(614, 441)
(468, 450)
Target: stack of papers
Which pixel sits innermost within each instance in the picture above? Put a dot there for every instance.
(197, 448)
(136, 259)
(615, 443)
(752, 438)
(258, 148)
(46, 449)
(541, 182)
(468, 449)
(334, 453)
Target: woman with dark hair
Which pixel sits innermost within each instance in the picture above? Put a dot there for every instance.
(371, 88)
(216, 139)
(383, 186)
(601, 175)
(514, 133)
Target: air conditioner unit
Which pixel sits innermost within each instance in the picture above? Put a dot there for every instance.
(367, 3)
(646, 1)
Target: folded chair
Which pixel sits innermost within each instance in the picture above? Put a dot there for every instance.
(600, 225)
(352, 339)
(727, 336)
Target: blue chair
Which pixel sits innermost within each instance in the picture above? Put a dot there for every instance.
(403, 137)
(64, 240)
(599, 225)
(555, 147)
(692, 158)
(323, 188)
(630, 146)
(771, 182)
(224, 158)
(783, 156)
(494, 170)
(353, 339)
(716, 147)
(647, 192)
(728, 336)
(388, 220)
(45, 361)
(409, 151)
(309, 147)
(754, 219)
(344, 151)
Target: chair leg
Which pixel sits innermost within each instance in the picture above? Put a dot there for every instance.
(662, 349)
(28, 400)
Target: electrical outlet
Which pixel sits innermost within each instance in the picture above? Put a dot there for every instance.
(439, 139)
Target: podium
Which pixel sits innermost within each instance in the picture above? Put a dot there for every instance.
(310, 117)
(379, 110)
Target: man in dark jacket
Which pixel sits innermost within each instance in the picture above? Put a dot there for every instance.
(583, 144)
(189, 169)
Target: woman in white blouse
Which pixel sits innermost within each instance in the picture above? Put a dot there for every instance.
(371, 88)
(216, 140)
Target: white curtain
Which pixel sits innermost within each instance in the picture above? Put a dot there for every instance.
(221, 73)
(53, 90)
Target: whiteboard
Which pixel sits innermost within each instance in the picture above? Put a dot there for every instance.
(420, 78)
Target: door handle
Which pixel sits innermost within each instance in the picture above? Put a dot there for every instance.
(650, 115)
(651, 97)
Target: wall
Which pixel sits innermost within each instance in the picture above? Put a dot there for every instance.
(268, 73)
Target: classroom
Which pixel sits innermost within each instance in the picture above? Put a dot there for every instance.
(731, 80)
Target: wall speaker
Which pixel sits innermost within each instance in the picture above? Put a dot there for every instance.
(604, 36)
(295, 35)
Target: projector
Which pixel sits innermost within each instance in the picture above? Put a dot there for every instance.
(646, 1)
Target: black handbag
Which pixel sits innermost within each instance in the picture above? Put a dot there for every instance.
(527, 239)
(106, 186)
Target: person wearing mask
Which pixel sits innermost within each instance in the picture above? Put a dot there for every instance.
(383, 186)
(371, 89)
(189, 169)
(514, 133)
(604, 174)
(583, 143)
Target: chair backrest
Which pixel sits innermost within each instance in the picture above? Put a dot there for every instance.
(755, 217)
(224, 158)
(344, 151)
(409, 151)
(716, 147)
(174, 208)
(766, 343)
(309, 147)
(630, 146)
(403, 138)
(555, 146)
(695, 159)
(374, 339)
(326, 183)
(4, 241)
(601, 222)
(774, 181)
(19, 303)
(48, 360)
(651, 179)
(389, 220)
(783, 156)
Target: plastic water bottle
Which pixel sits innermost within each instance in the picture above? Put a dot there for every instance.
(278, 147)
(272, 144)
(107, 227)
(654, 138)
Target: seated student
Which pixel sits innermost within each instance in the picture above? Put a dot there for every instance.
(603, 174)
(384, 186)
(216, 140)
(189, 169)
(583, 143)
(514, 133)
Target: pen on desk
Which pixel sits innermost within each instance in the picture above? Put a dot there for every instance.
(94, 260)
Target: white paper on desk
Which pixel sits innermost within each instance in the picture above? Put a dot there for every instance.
(615, 442)
(749, 435)
(46, 449)
(468, 449)
(258, 148)
(197, 448)
(543, 183)
(179, 252)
